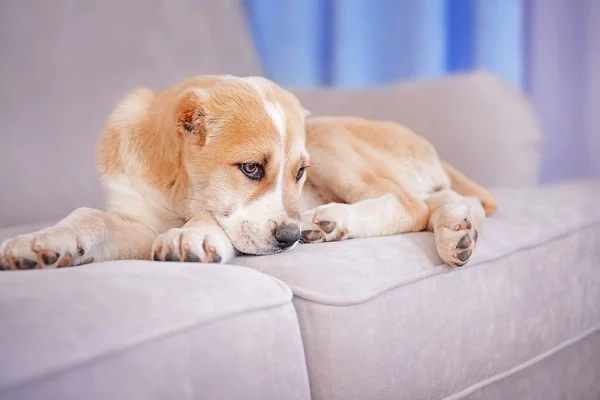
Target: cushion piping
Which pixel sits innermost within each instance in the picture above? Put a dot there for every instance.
(318, 298)
(523, 366)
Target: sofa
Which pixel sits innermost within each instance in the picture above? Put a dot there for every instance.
(378, 318)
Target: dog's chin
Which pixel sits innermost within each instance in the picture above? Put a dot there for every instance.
(264, 252)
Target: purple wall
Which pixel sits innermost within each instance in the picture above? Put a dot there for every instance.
(563, 80)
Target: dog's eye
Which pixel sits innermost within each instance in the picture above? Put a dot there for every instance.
(252, 170)
(300, 173)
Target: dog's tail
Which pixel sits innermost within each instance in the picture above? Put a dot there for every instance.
(466, 187)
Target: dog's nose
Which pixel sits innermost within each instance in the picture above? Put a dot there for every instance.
(287, 235)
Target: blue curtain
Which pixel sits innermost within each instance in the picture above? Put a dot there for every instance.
(371, 42)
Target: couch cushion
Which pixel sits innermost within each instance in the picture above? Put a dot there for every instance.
(477, 122)
(419, 329)
(143, 330)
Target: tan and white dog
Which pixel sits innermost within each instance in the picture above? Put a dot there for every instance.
(215, 166)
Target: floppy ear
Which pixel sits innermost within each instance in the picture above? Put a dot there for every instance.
(190, 113)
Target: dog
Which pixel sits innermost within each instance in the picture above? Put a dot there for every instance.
(217, 166)
(376, 178)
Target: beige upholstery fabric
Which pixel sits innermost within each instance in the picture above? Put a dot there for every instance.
(382, 318)
(478, 122)
(144, 330)
(65, 64)
(572, 372)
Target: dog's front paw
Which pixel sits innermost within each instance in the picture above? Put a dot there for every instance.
(206, 245)
(456, 239)
(326, 223)
(49, 248)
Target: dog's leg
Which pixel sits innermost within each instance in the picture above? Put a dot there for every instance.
(388, 214)
(466, 187)
(86, 235)
(201, 239)
(456, 222)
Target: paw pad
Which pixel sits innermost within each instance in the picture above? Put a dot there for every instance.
(311, 235)
(24, 263)
(29, 264)
(464, 255)
(50, 257)
(170, 256)
(191, 257)
(326, 226)
(464, 242)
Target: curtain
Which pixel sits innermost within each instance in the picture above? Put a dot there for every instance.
(563, 69)
(370, 42)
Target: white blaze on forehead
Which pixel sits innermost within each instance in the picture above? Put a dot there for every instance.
(273, 108)
(275, 111)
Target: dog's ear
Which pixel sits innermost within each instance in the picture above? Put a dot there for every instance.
(306, 113)
(190, 113)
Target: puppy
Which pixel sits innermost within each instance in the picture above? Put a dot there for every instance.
(212, 165)
(375, 178)
(216, 165)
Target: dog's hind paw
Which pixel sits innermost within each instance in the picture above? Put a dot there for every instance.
(456, 243)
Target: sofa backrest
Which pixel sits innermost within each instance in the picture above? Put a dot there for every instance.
(478, 122)
(64, 64)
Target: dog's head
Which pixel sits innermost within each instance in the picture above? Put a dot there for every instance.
(244, 152)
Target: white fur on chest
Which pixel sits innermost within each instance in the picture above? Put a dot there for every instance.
(139, 201)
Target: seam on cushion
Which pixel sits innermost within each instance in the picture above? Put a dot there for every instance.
(154, 338)
(498, 377)
(437, 270)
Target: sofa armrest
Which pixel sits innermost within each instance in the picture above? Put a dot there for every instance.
(478, 122)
